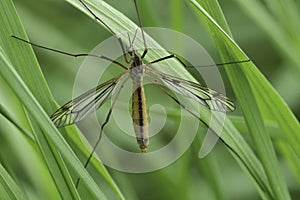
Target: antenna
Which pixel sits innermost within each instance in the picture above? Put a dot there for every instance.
(141, 27)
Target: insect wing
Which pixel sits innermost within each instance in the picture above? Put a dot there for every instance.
(76, 109)
(207, 97)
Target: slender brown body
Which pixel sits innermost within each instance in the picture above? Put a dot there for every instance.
(139, 108)
(140, 117)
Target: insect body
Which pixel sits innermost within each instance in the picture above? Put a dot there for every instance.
(139, 108)
(78, 108)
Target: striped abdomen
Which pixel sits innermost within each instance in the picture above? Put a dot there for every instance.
(140, 116)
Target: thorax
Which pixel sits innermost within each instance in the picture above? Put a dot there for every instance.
(137, 68)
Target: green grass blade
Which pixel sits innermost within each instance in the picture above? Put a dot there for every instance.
(291, 157)
(177, 15)
(281, 25)
(236, 141)
(26, 64)
(280, 22)
(31, 74)
(250, 109)
(11, 26)
(8, 116)
(9, 188)
(44, 122)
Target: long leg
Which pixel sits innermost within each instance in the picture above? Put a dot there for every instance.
(71, 54)
(109, 29)
(166, 58)
(226, 63)
(102, 127)
(212, 65)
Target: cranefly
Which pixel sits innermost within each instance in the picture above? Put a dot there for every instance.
(135, 70)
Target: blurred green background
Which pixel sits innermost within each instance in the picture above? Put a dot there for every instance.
(57, 24)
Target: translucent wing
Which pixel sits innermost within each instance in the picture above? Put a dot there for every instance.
(76, 109)
(207, 97)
